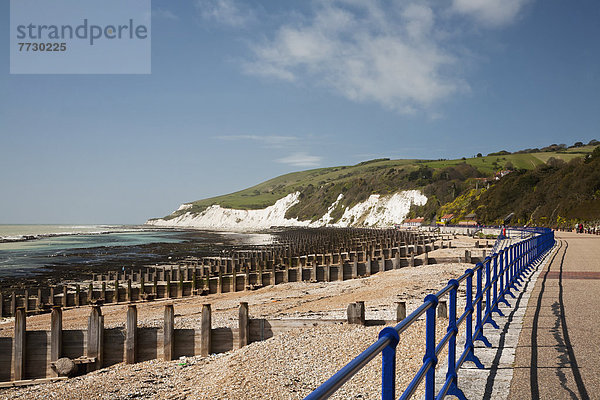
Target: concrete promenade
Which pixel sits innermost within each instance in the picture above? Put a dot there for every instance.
(558, 351)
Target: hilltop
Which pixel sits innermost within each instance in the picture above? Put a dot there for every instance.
(376, 192)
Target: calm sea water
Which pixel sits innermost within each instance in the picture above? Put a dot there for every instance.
(53, 242)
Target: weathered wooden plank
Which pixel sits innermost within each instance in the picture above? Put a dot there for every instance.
(28, 382)
(168, 333)
(206, 325)
(114, 345)
(73, 343)
(187, 342)
(36, 354)
(223, 339)
(94, 337)
(6, 349)
(55, 334)
(131, 334)
(19, 343)
(244, 325)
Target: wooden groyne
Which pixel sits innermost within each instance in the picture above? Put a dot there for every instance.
(35, 354)
(301, 255)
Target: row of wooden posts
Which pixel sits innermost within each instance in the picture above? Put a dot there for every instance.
(191, 281)
(217, 276)
(30, 357)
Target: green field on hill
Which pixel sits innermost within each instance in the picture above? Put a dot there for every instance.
(441, 180)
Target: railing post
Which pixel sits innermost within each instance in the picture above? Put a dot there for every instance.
(479, 298)
(388, 364)
(469, 309)
(452, 328)
(487, 316)
(495, 280)
(430, 347)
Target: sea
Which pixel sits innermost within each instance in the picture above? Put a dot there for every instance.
(25, 249)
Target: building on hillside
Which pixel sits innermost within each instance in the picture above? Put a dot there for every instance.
(469, 220)
(468, 223)
(446, 218)
(501, 174)
(413, 222)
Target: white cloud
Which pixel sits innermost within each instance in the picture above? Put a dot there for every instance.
(301, 160)
(269, 140)
(493, 13)
(226, 12)
(366, 52)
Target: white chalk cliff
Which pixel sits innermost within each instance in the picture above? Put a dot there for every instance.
(376, 211)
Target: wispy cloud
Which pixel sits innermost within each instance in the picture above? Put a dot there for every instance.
(365, 52)
(164, 14)
(268, 140)
(227, 12)
(494, 13)
(301, 159)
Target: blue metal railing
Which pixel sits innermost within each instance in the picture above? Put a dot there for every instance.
(503, 271)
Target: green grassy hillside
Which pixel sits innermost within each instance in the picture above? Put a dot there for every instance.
(441, 180)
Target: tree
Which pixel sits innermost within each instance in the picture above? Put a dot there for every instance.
(479, 155)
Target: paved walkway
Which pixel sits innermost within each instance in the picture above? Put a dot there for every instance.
(558, 351)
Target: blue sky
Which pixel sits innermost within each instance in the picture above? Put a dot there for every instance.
(242, 91)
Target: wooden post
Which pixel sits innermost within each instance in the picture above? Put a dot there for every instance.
(168, 287)
(38, 302)
(356, 313)
(129, 294)
(131, 338)
(155, 285)
(244, 325)
(90, 293)
(355, 267)
(205, 328)
(65, 296)
(442, 309)
(116, 296)
(233, 276)
(19, 344)
(180, 286)
(77, 295)
(220, 281)
(55, 334)
(273, 271)
(1, 305)
(169, 333)
(95, 336)
(26, 298)
(103, 294)
(142, 285)
(400, 310)
(194, 282)
(51, 299)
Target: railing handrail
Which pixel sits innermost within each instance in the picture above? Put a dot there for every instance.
(502, 272)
